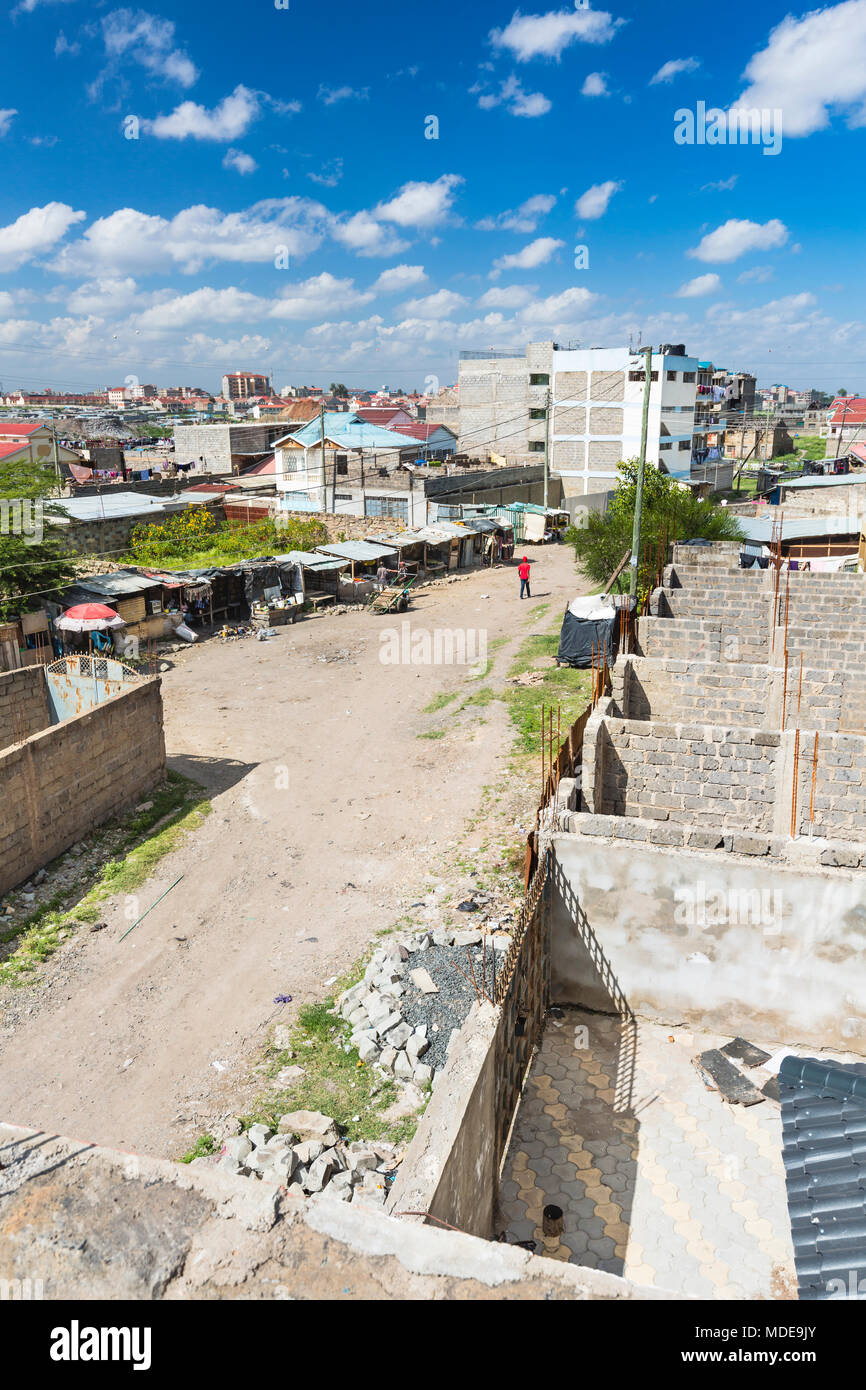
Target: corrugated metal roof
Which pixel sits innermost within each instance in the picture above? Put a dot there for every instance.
(116, 585)
(312, 562)
(110, 505)
(346, 430)
(828, 480)
(356, 550)
(824, 1152)
(759, 528)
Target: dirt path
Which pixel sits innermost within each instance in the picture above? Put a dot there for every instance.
(327, 812)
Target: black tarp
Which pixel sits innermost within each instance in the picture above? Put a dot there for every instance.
(580, 637)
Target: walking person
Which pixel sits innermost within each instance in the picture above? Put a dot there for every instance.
(523, 571)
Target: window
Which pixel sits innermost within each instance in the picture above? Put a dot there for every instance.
(537, 414)
(641, 376)
(671, 376)
(536, 446)
(388, 506)
(685, 444)
(666, 445)
(539, 379)
(688, 376)
(342, 466)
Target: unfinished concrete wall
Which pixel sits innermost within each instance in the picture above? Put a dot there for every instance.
(696, 774)
(451, 1169)
(680, 691)
(70, 777)
(719, 943)
(93, 1223)
(24, 704)
(839, 802)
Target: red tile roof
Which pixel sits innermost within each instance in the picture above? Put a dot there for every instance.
(7, 449)
(381, 414)
(420, 429)
(21, 426)
(851, 409)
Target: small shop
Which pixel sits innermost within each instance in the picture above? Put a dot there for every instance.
(321, 577)
(542, 524)
(365, 560)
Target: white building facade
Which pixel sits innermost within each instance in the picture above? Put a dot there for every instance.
(595, 400)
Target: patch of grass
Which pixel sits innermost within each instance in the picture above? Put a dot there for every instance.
(482, 697)
(538, 611)
(440, 701)
(202, 1148)
(138, 842)
(433, 733)
(336, 1081)
(560, 685)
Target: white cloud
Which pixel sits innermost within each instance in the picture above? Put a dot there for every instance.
(202, 305)
(421, 204)
(28, 6)
(702, 284)
(548, 35)
(721, 185)
(322, 294)
(132, 241)
(399, 277)
(7, 115)
(330, 174)
(595, 85)
(440, 305)
(105, 295)
(331, 95)
(365, 236)
(557, 308)
(62, 45)
(507, 297)
(237, 159)
(812, 67)
(229, 120)
(594, 202)
(35, 232)
(672, 68)
(536, 253)
(146, 39)
(520, 103)
(737, 236)
(759, 274)
(524, 219)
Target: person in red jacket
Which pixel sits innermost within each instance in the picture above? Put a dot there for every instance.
(523, 571)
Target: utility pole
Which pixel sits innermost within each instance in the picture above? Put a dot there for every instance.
(324, 483)
(56, 460)
(841, 429)
(638, 500)
(546, 444)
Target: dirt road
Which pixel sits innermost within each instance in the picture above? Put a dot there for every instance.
(327, 812)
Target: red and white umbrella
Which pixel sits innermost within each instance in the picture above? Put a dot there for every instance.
(89, 617)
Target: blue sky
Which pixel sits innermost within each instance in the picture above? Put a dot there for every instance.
(282, 208)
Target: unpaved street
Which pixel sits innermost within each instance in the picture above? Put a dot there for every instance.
(328, 810)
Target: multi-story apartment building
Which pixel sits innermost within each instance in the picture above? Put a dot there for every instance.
(594, 397)
(238, 386)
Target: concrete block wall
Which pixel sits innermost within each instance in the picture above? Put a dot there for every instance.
(839, 803)
(695, 774)
(69, 778)
(24, 704)
(705, 691)
(704, 639)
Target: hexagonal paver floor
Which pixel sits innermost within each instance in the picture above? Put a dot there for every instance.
(658, 1178)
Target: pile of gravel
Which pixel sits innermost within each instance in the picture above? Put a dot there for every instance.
(447, 1010)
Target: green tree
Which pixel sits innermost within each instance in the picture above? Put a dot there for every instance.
(33, 554)
(841, 391)
(338, 389)
(668, 510)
